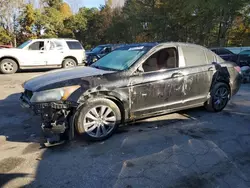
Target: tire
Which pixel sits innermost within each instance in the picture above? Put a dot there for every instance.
(106, 119)
(8, 66)
(219, 97)
(68, 63)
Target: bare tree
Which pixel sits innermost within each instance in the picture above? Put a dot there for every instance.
(75, 4)
(9, 11)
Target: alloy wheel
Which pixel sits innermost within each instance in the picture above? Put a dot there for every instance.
(8, 67)
(221, 98)
(99, 121)
(69, 63)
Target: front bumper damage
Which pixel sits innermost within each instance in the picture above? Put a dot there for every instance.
(57, 120)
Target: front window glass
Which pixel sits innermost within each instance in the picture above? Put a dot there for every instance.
(37, 46)
(121, 59)
(24, 44)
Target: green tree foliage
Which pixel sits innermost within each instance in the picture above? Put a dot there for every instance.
(5, 37)
(26, 22)
(209, 23)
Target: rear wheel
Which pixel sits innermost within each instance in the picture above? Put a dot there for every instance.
(98, 119)
(220, 95)
(8, 66)
(68, 63)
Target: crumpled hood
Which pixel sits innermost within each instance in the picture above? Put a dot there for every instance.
(62, 75)
(89, 53)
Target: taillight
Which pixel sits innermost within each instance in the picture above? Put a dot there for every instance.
(237, 68)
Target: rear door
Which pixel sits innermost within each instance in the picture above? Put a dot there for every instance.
(56, 52)
(198, 74)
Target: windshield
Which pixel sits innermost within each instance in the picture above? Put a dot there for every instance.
(121, 59)
(246, 52)
(97, 49)
(24, 44)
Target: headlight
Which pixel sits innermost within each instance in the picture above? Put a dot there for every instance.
(94, 59)
(53, 94)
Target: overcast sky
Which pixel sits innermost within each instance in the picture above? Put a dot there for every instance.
(93, 3)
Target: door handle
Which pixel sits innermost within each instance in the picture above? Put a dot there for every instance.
(177, 74)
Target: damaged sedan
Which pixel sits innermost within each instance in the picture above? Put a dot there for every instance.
(132, 82)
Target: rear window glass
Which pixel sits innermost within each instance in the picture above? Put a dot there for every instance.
(194, 56)
(74, 45)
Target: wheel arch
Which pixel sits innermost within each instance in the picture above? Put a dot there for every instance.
(221, 80)
(12, 58)
(221, 75)
(71, 57)
(119, 98)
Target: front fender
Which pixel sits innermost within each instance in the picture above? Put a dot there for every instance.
(118, 95)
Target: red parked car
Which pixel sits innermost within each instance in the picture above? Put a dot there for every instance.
(6, 46)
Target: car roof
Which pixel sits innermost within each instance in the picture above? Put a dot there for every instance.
(140, 44)
(218, 48)
(166, 44)
(107, 45)
(65, 39)
(181, 44)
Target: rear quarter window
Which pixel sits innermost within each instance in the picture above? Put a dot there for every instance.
(74, 45)
(194, 56)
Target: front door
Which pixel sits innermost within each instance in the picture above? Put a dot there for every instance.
(158, 85)
(36, 55)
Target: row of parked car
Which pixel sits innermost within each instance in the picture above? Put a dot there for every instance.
(240, 56)
(65, 53)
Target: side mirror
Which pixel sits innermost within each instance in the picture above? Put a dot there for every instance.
(139, 70)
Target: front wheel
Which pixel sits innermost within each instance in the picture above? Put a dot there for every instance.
(219, 97)
(98, 119)
(8, 66)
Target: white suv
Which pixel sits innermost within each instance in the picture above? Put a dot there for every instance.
(42, 53)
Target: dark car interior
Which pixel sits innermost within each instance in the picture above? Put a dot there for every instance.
(163, 59)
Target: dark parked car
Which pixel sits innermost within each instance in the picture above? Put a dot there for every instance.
(225, 54)
(100, 51)
(241, 59)
(244, 58)
(130, 83)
